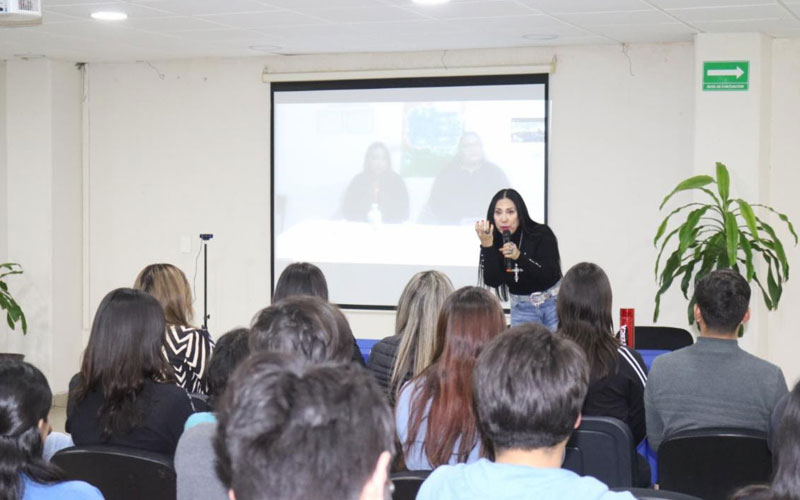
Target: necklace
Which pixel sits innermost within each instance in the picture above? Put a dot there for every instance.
(517, 269)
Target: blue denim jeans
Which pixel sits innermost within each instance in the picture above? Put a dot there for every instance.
(522, 311)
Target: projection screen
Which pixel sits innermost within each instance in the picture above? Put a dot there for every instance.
(376, 180)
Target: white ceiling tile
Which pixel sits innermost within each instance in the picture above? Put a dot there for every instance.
(685, 4)
(777, 27)
(711, 14)
(483, 9)
(55, 17)
(521, 25)
(366, 14)
(313, 5)
(631, 18)
(83, 11)
(257, 20)
(205, 7)
(562, 6)
(173, 24)
(221, 35)
(417, 28)
(633, 34)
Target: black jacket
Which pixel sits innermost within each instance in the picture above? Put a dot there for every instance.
(381, 361)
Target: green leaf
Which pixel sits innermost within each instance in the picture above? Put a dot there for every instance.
(688, 268)
(778, 247)
(764, 293)
(667, 276)
(712, 195)
(695, 182)
(723, 182)
(731, 236)
(748, 256)
(690, 311)
(782, 217)
(687, 232)
(663, 226)
(749, 217)
(663, 246)
(775, 289)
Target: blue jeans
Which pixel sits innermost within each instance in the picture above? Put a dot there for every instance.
(522, 311)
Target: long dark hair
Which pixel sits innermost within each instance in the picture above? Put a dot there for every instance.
(526, 226)
(584, 315)
(786, 482)
(469, 319)
(25, 399)
(124, 351)
(301, 278)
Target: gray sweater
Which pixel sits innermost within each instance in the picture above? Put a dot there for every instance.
(713, 383)
(194, 465)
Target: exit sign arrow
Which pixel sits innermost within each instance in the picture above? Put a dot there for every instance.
(726, 75)
(726, 72)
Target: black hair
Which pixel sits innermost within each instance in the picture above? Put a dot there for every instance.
(301, 278)
(723, 296)
(231, 349)
(529, 388)
(294, 431)
(25, 399)
(786, 481)
(124, 351)
(303, 325)
(584, 316)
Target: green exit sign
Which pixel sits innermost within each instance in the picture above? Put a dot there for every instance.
(726, 75)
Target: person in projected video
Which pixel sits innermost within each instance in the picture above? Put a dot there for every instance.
(460, 187)
(378, 193)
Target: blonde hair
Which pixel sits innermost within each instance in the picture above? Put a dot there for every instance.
(170, 287)
(417, 314)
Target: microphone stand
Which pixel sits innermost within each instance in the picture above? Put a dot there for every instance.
(205, 237)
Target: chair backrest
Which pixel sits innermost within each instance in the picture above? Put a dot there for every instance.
(713, 463)
(120, 473)
(602, 447)
(662, 337)
(407, 484)
(651, 494)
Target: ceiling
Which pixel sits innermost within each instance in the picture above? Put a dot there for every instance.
(179, 29)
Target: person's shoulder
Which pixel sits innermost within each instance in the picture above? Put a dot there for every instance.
(67, 490)
(440, 484)
(670, 360)
(589, 488)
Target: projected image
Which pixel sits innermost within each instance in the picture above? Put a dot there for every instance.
(396, 178)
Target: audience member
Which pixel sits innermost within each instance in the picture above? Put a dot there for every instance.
(786, 482)
(617, 375)
(713, 383)
(304, 327)
(25, 400)
(410, 350)
(435, 421)
(186, 347)
(296, 431)
(529, 386)
(125, 393)
(194, 463)
(303, 278)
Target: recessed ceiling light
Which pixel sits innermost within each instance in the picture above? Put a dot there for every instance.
(430, 2)
(539, 37)
(109, 16)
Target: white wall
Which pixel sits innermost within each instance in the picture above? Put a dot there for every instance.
(189, 153)
(181, 148)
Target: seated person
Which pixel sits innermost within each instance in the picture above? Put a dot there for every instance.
(529, 387)
(194, 464)
(125, 393)
(404, 355)
(25, 400)
(434, 417)
(713, 383)
(295, 431)
(786, 482)
(306, 279)
(305, 327)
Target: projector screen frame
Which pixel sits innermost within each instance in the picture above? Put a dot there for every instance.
(383, 82)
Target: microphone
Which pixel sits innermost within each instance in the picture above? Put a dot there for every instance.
(507, 239)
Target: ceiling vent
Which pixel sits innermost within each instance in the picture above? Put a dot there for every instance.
(20, 12)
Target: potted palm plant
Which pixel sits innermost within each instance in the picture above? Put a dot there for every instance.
(13, 311)
(725, 232)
